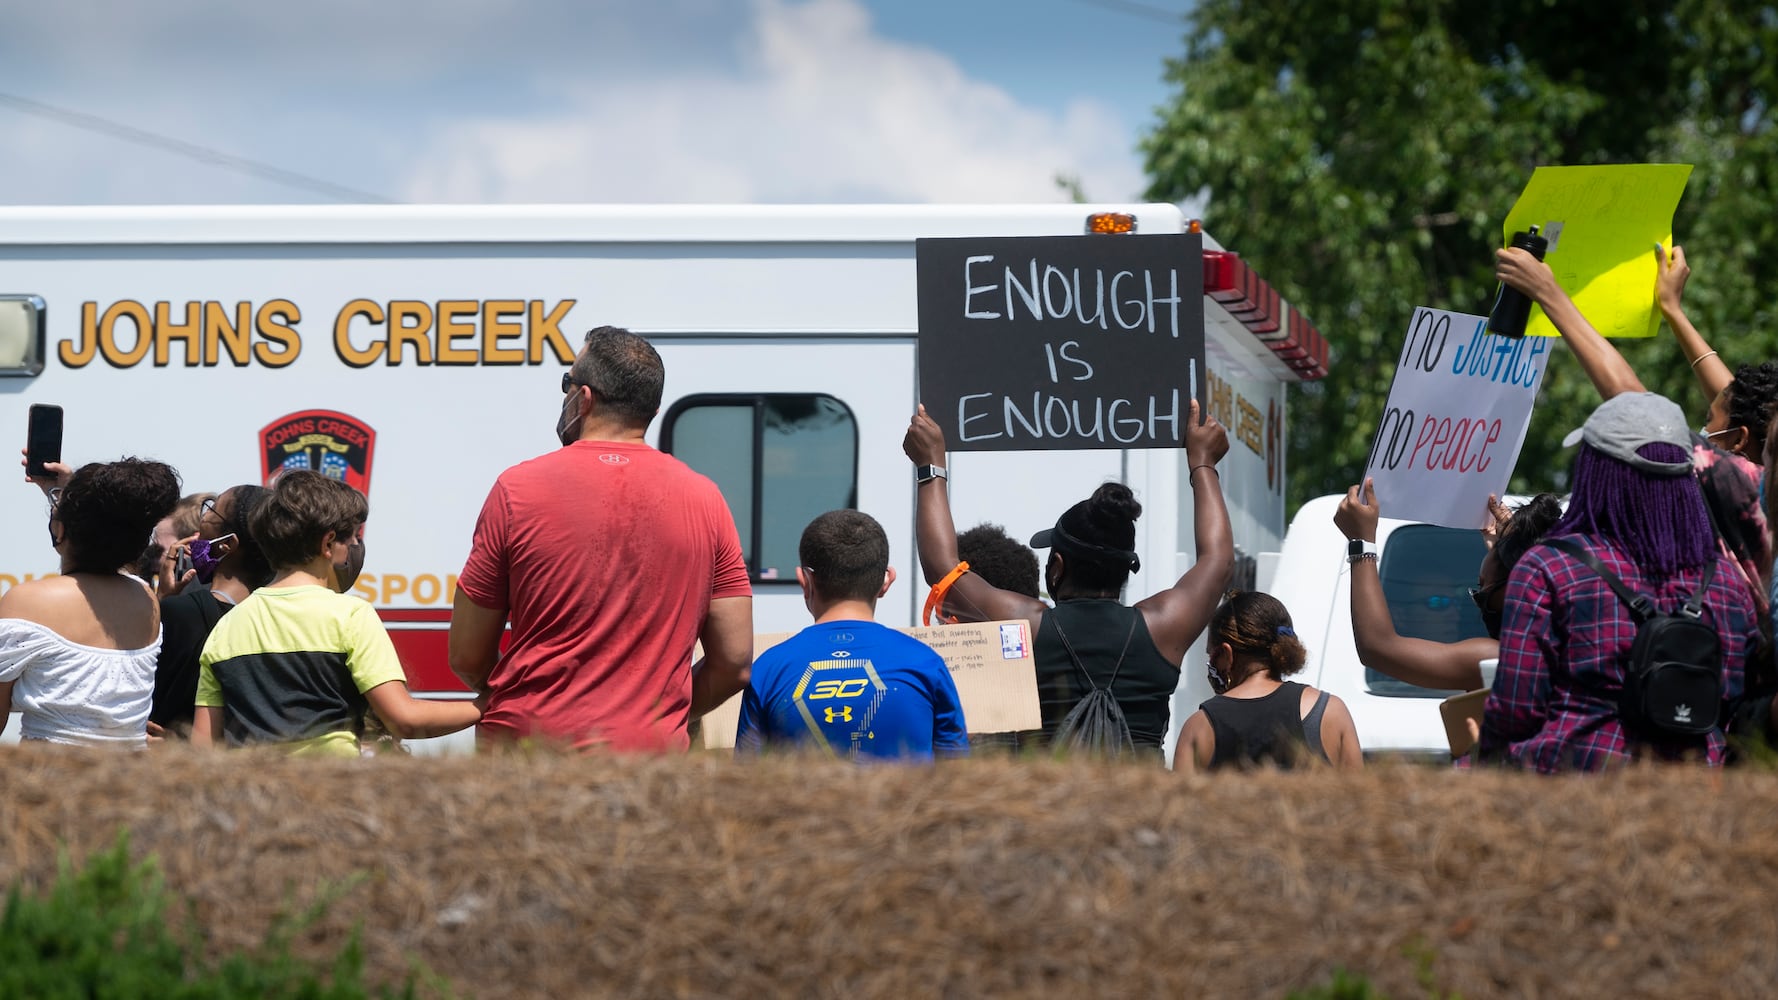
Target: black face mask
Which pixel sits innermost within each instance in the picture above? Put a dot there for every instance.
(568, 426)
(1217, 683)
(1491, 620)
(345, 574)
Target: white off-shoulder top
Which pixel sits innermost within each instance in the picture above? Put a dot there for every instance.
(70, 693)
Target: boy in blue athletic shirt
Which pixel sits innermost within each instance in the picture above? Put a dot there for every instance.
(845, 683)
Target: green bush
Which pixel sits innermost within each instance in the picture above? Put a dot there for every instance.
(104, 932)
(1351, 986)
(1343, 986)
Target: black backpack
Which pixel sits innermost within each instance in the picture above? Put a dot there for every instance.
(1095, 726)
(1673, 680)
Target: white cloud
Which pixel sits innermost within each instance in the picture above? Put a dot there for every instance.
(534, 101)
(817, 109)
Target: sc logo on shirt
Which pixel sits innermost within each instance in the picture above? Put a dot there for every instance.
(838, 689)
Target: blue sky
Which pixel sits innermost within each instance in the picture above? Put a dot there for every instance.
(586, 100)
(1050, 52)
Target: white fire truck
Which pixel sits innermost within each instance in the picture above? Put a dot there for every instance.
(417, 352)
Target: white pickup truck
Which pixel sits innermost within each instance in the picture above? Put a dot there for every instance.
(1427, 571)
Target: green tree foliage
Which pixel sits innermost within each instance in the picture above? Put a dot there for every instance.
(1362, 155)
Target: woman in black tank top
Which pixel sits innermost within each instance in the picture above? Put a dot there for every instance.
(1091, 639)
(1258, 717)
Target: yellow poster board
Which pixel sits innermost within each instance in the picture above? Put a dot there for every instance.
(1603, 224)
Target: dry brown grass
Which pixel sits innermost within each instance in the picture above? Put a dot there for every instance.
(696, 877)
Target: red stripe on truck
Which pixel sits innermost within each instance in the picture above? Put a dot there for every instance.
(441, 616)
(424, 656)
(422, 641)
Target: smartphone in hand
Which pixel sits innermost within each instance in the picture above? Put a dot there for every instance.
(43, 438)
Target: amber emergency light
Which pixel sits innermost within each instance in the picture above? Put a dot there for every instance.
(1111, 223)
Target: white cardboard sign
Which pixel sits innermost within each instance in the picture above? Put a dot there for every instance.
(1456, 419)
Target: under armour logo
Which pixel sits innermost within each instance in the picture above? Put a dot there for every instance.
(611, 459)
(839, 654)
(1681, 713)
(845, 714)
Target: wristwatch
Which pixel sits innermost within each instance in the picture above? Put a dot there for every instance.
(927, 473)
(1358, 548)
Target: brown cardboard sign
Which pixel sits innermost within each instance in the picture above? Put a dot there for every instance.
(991, 664)
(1457, 710)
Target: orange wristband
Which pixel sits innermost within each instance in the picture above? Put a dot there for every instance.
(936, 598)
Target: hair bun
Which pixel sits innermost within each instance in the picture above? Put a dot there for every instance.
(1254, 622)
(1113, 503)
(1544, 507)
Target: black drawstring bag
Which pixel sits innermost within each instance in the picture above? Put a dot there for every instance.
(1095, 726)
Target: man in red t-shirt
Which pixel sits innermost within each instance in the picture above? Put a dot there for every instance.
(611, 559)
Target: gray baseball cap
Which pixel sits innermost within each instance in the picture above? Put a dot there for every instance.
(1628, 421)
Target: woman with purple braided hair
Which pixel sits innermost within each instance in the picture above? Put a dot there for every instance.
(1565, 645)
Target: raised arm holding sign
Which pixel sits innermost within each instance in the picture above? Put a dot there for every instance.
(1439, 666)
(1712, 372)
(1607, 369)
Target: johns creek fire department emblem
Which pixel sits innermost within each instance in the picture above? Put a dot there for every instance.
(334, 444)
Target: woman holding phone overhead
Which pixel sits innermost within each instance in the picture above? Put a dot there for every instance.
(77, 651)
(1090, 639)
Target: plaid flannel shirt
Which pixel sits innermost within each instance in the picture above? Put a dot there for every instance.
(1731, 488)
(1563, 650)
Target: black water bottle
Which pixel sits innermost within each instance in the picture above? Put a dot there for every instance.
(1512, 308)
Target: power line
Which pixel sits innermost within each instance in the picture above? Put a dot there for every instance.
(1135, 9)
(179, 147)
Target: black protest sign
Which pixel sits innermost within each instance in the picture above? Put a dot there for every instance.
(1052, 342)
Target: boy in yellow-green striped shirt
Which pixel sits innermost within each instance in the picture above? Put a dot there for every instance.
(297, 663)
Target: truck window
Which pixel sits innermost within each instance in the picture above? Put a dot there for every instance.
(1427, 572)
(780, 459)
